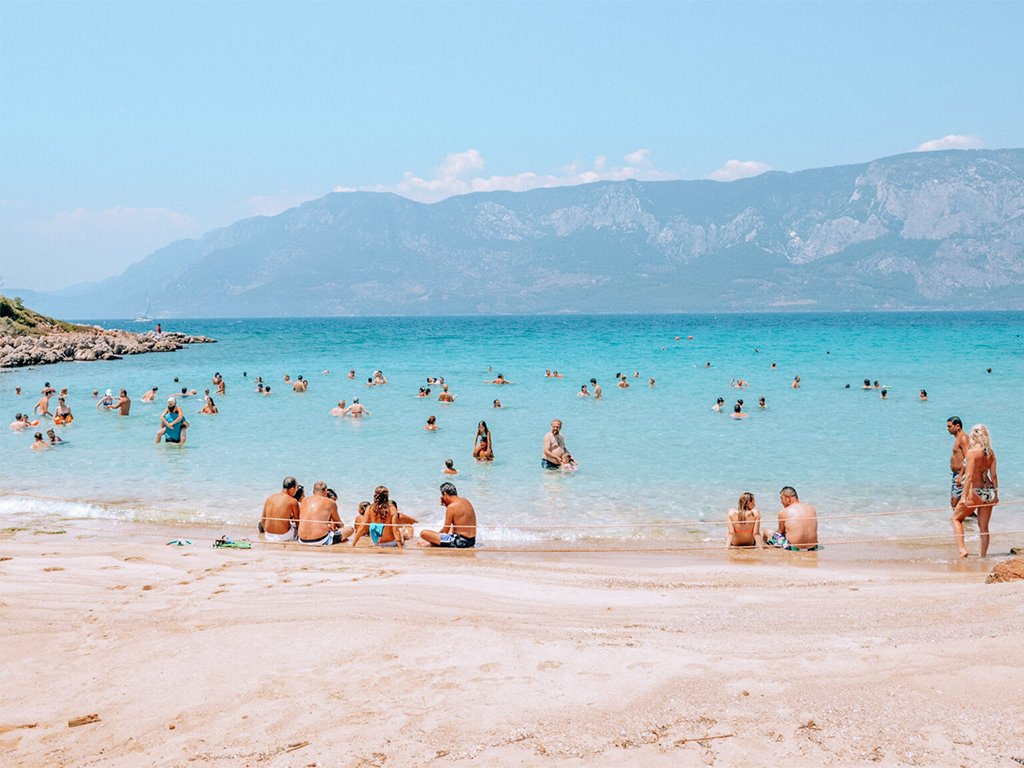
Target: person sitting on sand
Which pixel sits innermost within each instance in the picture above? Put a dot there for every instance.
(744, 523)
(280, 518)
(459, 528)
(981, 488)
(798, 524)
(380, 521)
(483, 448)
(402, 523)
(340, 409)
(40, 444)
(319, 523)
(150, 396)
(173, 426)
(449, 467)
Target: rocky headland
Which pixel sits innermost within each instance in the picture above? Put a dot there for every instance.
(28, 338)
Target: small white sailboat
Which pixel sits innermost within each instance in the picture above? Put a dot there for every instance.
(144, 317)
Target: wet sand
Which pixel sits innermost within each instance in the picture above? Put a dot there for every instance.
(285, 655)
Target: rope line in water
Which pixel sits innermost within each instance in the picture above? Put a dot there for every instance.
(598, 526)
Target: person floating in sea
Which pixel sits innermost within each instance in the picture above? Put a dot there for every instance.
(280, 519)
(499, 380)
(173, 426)
(923, 396)
(445, 396)
(496, 403)
(319, 523)
(54, 440)
(737, 412)
(744, 523)
(981, 489)
(431, 425)
(553, 447)
(449, 467)
(796, 383)
(40, 444)
(719, 405)
(798, 524)
(583, 392)
(761, 403)
(150, 396)
(459, 528)
(885, 394)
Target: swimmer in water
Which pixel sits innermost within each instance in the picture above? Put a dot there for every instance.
(449, 467)
(597, 389)
(719, 405)
(357, 410)
(499, 380)
(737, 412)
(923, 396)
(431, 425)
(53, 437)
(761, 403)
(497, 404)
(149, 396)
(340, 409)
(583, 392)
(796, 383)
(40, 444)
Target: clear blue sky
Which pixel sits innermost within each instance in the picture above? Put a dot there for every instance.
(126, 125)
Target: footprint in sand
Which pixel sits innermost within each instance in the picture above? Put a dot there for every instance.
(119, 586)
(134, 559)
(52, 568)
(490, 666)
(548, 665)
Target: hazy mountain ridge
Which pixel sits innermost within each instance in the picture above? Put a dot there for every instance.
(916, 231)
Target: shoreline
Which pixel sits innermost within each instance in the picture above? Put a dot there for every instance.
(234, 657)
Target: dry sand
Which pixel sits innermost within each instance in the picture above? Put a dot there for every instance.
(195, 656)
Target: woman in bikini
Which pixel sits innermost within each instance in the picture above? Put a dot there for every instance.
(981, 488)
(482, 448)
(744, 527)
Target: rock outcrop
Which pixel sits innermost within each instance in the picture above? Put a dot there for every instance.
(99, 344)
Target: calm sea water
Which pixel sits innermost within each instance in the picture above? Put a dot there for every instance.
(649, 458)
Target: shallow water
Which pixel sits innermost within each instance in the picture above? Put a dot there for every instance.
(653, 461)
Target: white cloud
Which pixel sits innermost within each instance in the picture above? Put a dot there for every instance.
(739, 169)
(462, 172)
(48, 252)
(953, 141)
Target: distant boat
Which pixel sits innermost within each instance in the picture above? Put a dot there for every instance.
(144, 317)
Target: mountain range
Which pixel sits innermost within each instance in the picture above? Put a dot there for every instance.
(935, 230)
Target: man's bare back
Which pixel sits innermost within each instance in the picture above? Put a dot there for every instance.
(799, 523)
(278, 512)
(318, 516)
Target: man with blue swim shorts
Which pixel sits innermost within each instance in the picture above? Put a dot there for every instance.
(459, 529)
(958, 460)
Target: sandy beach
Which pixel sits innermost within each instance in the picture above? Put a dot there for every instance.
(285, 656)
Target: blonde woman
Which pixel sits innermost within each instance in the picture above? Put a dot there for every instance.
(981, 488)
(744, 522)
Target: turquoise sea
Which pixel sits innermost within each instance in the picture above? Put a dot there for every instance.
(652, 460)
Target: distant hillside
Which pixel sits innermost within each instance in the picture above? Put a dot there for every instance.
(938, 230)
(18, 320)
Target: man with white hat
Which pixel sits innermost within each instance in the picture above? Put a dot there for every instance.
(172, 424)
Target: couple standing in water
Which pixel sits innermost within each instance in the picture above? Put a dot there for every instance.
(974, 489)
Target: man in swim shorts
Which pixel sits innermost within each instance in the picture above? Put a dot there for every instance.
(123, 404)
(280, 518)
(798, 524)
(958, 459)
(459, 529)
(318, 519)
(553, 447)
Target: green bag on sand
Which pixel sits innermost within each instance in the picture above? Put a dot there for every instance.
(224, 541)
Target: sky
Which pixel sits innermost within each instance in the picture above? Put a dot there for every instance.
(127, 125)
